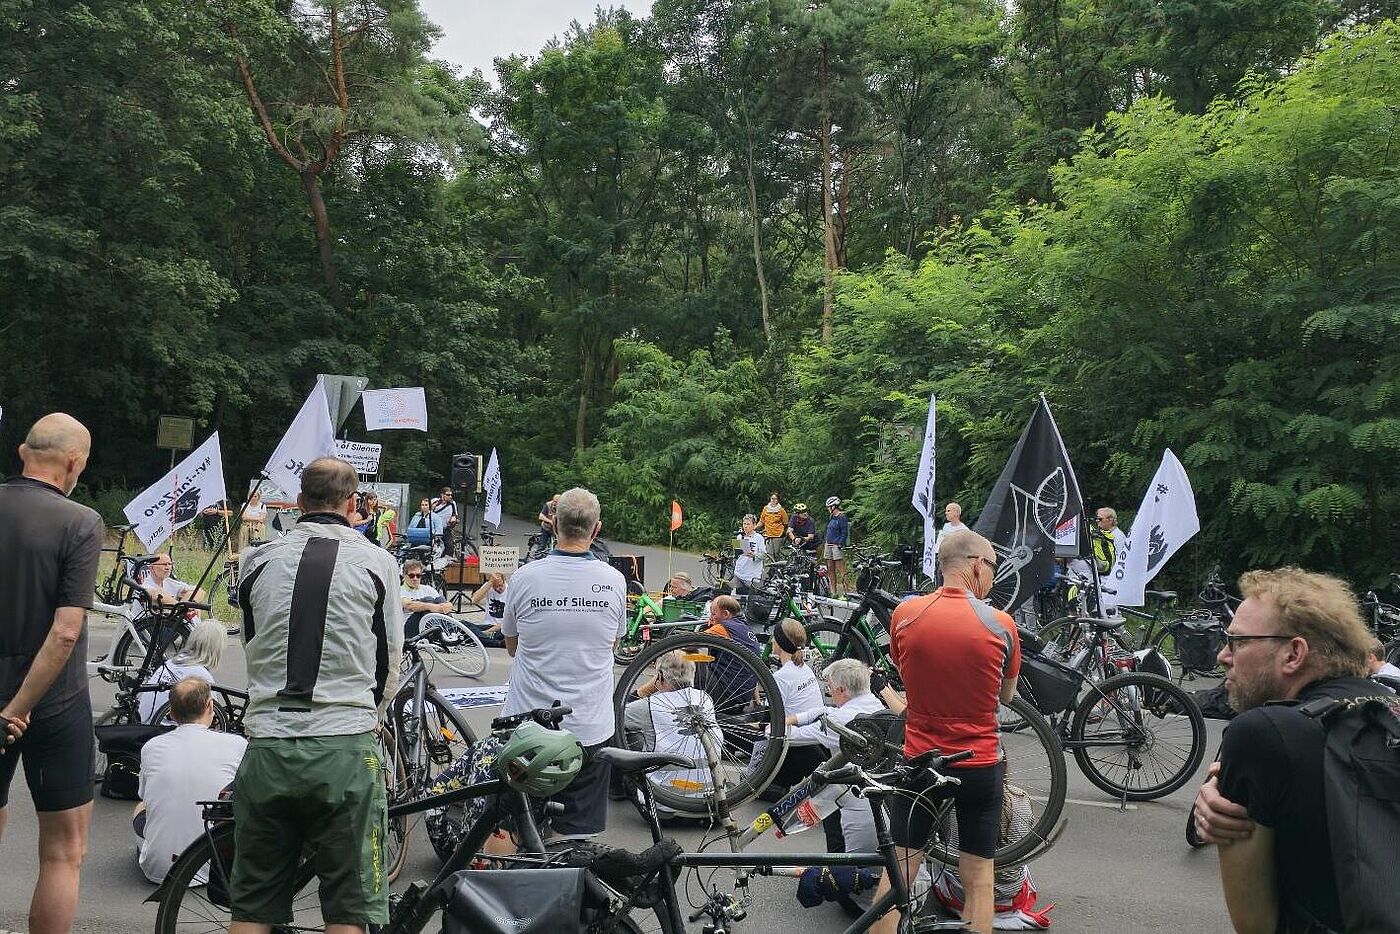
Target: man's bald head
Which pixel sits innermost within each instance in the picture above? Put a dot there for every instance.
(968, 560)
(56, 450)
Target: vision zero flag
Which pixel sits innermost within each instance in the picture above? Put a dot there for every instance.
(309, 437)
(491, 483)
(1166, 520)
(1035, 493)
(922, 499)
(173, 501)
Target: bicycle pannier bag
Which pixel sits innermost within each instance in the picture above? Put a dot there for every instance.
(1361, 794)
(1198, 640)
(1053, 687)
(122, 744)
(763, 609)
(514, 901)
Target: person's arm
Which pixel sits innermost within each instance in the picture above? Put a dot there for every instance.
(479, 595)
(1248, 879)
(893, 700)
(805, 728)
(64, 632)
(1218, 819)
(509, 624)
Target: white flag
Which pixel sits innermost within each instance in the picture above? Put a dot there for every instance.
(395, 408)
(492, 485)
(172, 502)
(309, 437)
(1166, 520)
(922, 499)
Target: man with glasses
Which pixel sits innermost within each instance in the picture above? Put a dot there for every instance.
(1106, 538)
(418, 598)
(162, 587)
(959, 660)
(1298, 636)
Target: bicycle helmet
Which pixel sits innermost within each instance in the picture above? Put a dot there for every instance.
(800, 507)
(833, 501)
(538, 761)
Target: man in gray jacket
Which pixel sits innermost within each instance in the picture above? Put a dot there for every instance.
(323, 627)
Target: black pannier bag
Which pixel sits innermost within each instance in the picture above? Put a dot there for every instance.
(512, 901)
(122, 742)
(763, 610)
(1199, 640)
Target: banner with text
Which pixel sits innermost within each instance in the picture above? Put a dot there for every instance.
(922, 499)
(173, 501)
(361, 455)
(1165, 521)
(491, 483)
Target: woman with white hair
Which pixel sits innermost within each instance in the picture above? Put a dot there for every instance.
(203, 651)
(666, 718)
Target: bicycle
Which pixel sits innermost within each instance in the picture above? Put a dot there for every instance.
(1116, 712)
(453, 643)
(130, 642)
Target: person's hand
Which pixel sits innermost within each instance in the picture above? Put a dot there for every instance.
(13, 725)
(878, 681)
(1218, 819)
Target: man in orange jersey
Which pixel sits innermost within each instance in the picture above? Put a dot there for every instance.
(959, 659)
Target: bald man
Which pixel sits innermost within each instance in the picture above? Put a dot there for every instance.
(49, 549)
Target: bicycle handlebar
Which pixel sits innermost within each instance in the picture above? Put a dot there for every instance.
(547, 717)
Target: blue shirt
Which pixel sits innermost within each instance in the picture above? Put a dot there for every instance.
(838, 530)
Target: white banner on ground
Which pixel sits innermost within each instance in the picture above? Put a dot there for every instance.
(361, 455)
(922, 499)
(499, 559)
(172, 502)
(1166, 520)
(395, 408)
(309, 437)
(491, 483)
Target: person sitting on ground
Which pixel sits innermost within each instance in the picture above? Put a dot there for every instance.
(179, 769)
(1298, 636)
(660, 720)
(725, 680)
(418, 598)
(798, 687)
(802, 531)
(679, 586)
(491, 596)
(201, 654)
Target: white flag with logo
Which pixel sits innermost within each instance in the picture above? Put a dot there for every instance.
(922, 499)
(173, 501)
(309, 437)
(491, 483)
(1166, 520)
(395, 408)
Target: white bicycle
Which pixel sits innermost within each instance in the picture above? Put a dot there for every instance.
(454, 644)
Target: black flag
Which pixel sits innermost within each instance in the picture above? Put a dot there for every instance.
(1036, 491)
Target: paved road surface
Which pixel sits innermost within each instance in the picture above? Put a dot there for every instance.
(1113, 871)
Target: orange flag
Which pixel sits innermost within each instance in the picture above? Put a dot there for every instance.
(676, 517)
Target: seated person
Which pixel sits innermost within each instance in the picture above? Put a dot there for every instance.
(660, 720)
(202, 652)
(161, 587)
(418, 598)
(492, 597)
(179, 769)
(1380, 669)
(798, 685)
(730, 686)
(679, 586)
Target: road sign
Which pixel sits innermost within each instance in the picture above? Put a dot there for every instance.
(342, 392)
(175, 433)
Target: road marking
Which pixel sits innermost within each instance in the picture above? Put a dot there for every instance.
(1091, 804)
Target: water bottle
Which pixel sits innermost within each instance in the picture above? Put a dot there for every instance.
(806, 812)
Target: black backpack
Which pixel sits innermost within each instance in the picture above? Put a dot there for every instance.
(1361, 781)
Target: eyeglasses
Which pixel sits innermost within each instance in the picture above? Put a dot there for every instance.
(413, 576)
(1233, 640)
(989, 563)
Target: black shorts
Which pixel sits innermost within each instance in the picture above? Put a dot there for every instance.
(58, 756)
(977, 802)
(585, 801)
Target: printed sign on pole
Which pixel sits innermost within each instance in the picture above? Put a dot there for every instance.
(499, 559)
(361, 455)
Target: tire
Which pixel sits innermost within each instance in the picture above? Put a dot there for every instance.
(188, 907)
(400, 828)
(1035, 763)
(1142, 715)
(129, 653)
(457, 646)
(1061, 637)
(828, 641)
(725, 671)
(221, 716)
(444, 738)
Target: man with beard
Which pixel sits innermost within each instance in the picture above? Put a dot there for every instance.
(1298, 636)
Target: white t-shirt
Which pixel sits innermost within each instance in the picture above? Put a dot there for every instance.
(422, 592)
(254, 513)
(663, 720)
(168, 673)
(748, 567)
(171, 588)
(949, 528)
(191, 763)
(798, 687)
(567, 611)
(1387, 670)
(495, 603)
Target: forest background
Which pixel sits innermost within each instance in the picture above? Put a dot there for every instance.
(731, 247)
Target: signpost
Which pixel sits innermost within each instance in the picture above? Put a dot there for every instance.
(342, 392)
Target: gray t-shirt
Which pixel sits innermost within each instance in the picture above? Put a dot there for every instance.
(567, 611)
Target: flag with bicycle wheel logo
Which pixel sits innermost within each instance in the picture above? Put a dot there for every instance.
(173, 501)
(1035, 493)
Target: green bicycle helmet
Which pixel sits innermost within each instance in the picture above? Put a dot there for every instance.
(538, 761)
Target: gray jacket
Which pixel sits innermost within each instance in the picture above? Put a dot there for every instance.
(323, 631)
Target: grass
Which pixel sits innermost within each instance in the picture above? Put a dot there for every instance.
(190, 560)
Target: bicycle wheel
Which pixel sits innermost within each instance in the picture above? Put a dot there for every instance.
(1035, 763)
(221, 716)
(1138, 736)
(399, 828)
(443, 738)
(132, 653)
(734, 706)
(190, 905)
(457, 646)
(1063, 638)
(827, 641)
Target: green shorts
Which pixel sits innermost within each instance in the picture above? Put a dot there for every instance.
(319, 795)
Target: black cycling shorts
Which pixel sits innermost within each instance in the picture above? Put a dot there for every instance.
(977, 802)
(58, 756)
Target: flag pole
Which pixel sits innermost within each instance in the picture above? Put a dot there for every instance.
(228, 531)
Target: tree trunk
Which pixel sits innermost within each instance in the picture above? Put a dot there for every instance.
(585, 385)
(312, 184)
(757, 244)
(829, 277)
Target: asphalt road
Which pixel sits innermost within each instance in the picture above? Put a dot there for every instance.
(1112, 871)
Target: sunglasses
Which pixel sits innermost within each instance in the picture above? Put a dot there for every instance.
(991, 564)
(1233, 640)
(413, 576)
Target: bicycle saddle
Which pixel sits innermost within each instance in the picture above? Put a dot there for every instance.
(1163, 595)
(633, 763)
(1109, 625)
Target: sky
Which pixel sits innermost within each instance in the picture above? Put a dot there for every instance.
(477, 31)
